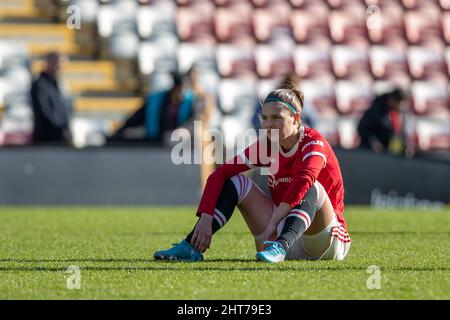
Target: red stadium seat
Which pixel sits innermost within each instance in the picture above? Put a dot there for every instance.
(234, 60)
(425, 62)
(340, 4)
(385, 23)
(311, 60)
(225, 3)
(322, 96)
(447, 58)
(423, 25)
(432, 134)
(271, 21)
(349, 61)
(416, 4)
(446, 26)
(348, 134)
(387, 61)
(310, 24)
(430, 98)
(195, 21)
(353, 97)
(233, 21)
(445, 4)
(266, 3)
(301, 4)
(349, 25)
(273, 61)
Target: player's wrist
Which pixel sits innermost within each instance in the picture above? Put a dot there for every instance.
(206, 216)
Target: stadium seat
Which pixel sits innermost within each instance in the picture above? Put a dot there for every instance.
(264, 87)
(209, 80)
(385, 23)
(430, 99)
(123, 45)
(321, 96)
(159, 81)
(237, 96)
(13, 53)
(399, 80)
(191, 53)
(273, 61)
(157, 18)
(447, 58)
(417, 4)
(233, 60)
(89, 131)
(423, 25)
(225, 3)
(446, 26)
(348, 134)
(311, 60)
(233, 21)
(267, 3)
(272, 21)
(425, 62)
(88, 8)
(117, 16)
(348, 61)
(308, 25)
(353, 97)
(387, 61)
(348, 26)
(195, 21)
(307, 4)
(445, 4)
(432, 134)
(159, 55)
(328, 128)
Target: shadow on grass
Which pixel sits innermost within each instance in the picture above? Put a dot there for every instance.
(155, 265)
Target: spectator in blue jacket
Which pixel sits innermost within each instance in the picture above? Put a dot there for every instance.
(162, 112)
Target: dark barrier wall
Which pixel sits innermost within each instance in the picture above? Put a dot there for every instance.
(104, 176)
(387, 180)
(364, 173)
(140, 176)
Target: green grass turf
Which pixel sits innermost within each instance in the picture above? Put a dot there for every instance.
(113, 248)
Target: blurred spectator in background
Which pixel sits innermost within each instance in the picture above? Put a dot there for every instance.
(51, 113)
(381, 126)
(309, 113)
(164, 111)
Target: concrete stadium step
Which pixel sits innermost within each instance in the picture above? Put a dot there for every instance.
(89, 75)
(41, 38)
(18, 9)
(107, 104)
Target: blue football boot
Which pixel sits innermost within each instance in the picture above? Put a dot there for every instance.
(273, 253)
(182, 251)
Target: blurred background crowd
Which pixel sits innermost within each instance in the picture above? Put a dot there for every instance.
(375, 73)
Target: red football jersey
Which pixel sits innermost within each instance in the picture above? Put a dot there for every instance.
(290, 176)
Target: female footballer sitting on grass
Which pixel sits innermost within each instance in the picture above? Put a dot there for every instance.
(303, 219)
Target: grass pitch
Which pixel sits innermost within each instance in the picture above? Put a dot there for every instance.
(113, 248)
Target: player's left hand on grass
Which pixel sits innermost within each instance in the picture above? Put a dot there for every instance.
(201, 239)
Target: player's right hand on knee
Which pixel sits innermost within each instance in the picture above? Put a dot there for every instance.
(201, 239)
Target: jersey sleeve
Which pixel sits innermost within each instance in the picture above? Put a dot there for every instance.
(312, 159)
(244, 161)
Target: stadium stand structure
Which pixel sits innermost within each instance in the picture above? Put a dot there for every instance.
(344, 51)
